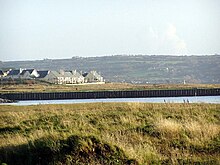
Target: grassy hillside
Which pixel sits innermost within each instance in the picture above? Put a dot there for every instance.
(110, 133)
(136, 69)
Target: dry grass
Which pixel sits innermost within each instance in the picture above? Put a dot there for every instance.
(201, 131)
(148, 133)
(168, 127)
(100, 87)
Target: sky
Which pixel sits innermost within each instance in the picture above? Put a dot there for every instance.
(55, 29)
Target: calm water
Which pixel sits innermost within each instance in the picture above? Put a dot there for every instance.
(198, 99)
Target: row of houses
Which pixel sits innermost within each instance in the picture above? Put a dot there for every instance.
(56, 77)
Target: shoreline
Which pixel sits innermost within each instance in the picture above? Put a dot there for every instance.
(7, 101)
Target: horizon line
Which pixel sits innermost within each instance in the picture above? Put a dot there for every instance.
(100, 56)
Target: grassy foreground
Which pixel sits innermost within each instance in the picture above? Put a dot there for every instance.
(110, 133)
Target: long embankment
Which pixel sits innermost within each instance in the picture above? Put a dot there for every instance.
(111, 94)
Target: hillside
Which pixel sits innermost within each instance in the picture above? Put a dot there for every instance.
(136, 69)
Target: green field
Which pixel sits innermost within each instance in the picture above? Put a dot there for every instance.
(110, 133)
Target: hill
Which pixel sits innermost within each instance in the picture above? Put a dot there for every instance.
(136, 68)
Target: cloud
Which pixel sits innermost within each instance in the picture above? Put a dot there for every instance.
(166, 40)
(174, 40)
(153, 33)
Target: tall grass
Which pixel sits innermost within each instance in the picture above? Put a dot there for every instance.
(148, 133)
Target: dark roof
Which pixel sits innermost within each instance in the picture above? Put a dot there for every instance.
(85, 74)
(27, 70)
(14, 72)
(42, 73)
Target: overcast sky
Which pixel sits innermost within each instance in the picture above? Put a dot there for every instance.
(38, 29)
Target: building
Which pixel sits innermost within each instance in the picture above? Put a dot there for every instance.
(42, 73)
(29, 74)
(2, 73)
(14, 73)
(61, 77)
(48, 76)
(70, 77)
(93, 77)
(78, 78)
(55, 77)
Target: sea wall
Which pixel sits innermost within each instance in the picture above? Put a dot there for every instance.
(111, 94)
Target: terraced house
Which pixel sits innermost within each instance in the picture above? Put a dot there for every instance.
(55, 77)
(70, 77)
(67, 77)
(93, 76)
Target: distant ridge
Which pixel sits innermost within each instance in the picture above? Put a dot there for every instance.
(137, 68)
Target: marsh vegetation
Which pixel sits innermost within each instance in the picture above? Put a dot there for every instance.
(110, 133)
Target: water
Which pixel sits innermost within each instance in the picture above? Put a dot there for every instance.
(197, 99)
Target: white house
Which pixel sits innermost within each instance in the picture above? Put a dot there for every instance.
(93, 77)
(70, 77)
(55, 77)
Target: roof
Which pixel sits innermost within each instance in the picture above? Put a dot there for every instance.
(68, 74)
(27, 70)
(30, 70)
(85, 74)
(14, 72)
(55, 73)
(75, 73)
(62, 73)
(23, 72)
(94, 73)
(42, 73)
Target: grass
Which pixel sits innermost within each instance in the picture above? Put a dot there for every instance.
(110, 133)
(43, 87)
